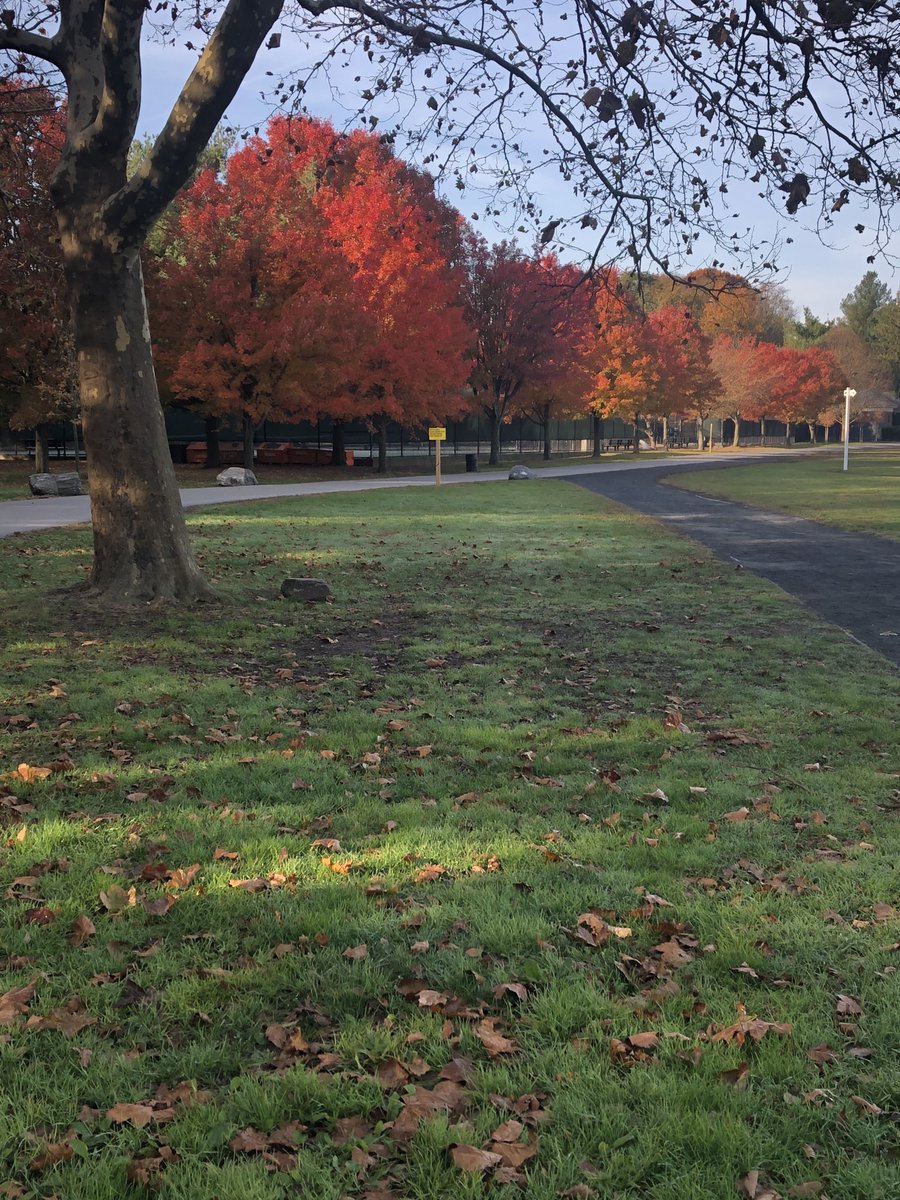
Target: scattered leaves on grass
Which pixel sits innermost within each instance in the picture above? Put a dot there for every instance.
(748, 1027)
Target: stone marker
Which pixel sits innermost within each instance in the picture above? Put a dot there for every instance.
(521, 472)
(66, 484)
(306, 589)
(236, 477)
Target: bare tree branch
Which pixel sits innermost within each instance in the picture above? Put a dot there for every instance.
(210, 88)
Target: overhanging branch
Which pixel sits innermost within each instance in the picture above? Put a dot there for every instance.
(24, 41)
(210, 88)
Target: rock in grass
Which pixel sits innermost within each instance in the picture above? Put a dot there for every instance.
(66, 484)
(306, 589)
(236, 477)
(521, 472)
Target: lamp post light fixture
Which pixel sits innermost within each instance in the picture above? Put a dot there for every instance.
(849, 393)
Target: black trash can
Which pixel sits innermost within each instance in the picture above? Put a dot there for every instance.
(471, 462)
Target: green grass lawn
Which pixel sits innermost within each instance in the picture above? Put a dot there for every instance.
(866, 497)
(552, 858)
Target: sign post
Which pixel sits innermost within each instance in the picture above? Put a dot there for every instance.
(849, 393)
(437, 434)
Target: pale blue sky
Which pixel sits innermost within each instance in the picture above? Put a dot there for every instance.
(814, 275)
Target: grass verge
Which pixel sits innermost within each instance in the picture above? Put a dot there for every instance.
(553, 857)
(866, 497)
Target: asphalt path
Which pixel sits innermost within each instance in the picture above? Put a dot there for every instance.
(51, 512)
(850, 579)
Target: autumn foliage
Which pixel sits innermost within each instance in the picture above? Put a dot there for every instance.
(314, 276)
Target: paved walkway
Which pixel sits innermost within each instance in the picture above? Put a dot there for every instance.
(49, 512)
(850, 579)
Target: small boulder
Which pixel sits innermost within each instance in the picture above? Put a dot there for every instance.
(521, 472)
(306, 589)
(67, 484)
(236, 477)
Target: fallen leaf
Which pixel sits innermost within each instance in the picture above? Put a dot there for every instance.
(14, 1003)
(138, 1115)
(495, 1043)
(470, 1158)
(356, 952)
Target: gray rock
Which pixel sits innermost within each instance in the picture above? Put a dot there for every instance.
(66, 484)
(306, 589)
(521, 472)
(236, 477)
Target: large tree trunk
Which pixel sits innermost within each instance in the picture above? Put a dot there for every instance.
(545, 426)
(338, 446)
(636, 440)
(41, 448)
(736, 436)
(787, 432)
(699, 435)
(595, 432)
(665, 433)
(248, 427)
(213, 450)
(382, 445)
(494, 457)
(141, 547)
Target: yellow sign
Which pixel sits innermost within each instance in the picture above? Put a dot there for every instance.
(437, 433)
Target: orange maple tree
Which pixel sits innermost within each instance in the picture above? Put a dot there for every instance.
(622, 354)
(685, 382)
(312, 277)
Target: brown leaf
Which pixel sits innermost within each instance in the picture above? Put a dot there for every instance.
(821, 1054)
(331, 844)
(116, 899)
(159, 906)
(356, 952)
(249, 1141)
(736, 1077)
(82, 928)
(514, 1154)
(55, 1152)
(220, 853)
(41, 916)
(138, 1115)
(495, 1043)
(509, 1131)
(392, 1074)
(739, 814)
(865, 1106)
(519, 990)
(250, 885)
(847, 1006)
(14, 1003)
(470, 1158)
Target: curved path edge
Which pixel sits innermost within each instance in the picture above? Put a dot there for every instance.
(850, 579)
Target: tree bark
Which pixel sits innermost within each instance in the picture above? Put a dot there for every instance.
(636, 440)
(595, 431)
(213, 450)
(736, 436)
(382, 445)
(494, 420)
(248, 427)
(141, 547)
(41, 449)
(338, 449)
(665, 432)
(699, 435)
(545, 425)
(787, 432)
(712, 440)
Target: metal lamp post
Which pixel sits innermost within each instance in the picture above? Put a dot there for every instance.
(849, 393)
